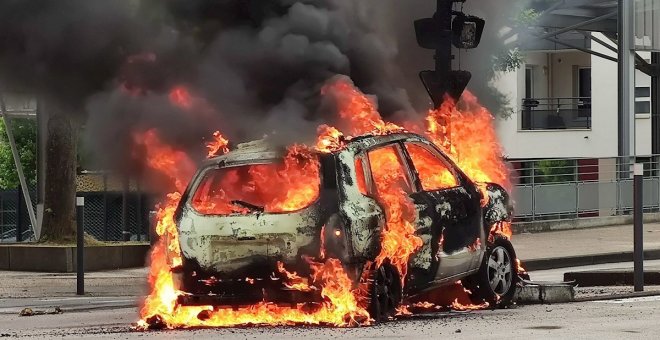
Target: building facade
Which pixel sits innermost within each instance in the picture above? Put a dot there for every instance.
(562, 139)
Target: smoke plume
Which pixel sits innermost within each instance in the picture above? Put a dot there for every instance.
(248, 67)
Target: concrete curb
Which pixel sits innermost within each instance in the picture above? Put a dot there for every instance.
(593, 278)
(62, 259)
(545, 293)
(586, 260)
(617, 296)
(579, 223)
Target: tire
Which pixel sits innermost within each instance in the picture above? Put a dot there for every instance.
(497, 278)
(385, 292)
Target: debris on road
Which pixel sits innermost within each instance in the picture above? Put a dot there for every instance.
(31, 312)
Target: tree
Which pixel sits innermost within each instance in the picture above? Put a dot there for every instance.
(59, 219)
(25, 134)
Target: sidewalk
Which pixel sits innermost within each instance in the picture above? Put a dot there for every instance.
(579, 247)
(547, 250)
(124, 282)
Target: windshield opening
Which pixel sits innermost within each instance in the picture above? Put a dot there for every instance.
(285, 186)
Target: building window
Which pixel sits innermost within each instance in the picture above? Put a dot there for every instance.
(529, 82)
(643, 107)
(584, 82)
(643, 100)
(642, 92)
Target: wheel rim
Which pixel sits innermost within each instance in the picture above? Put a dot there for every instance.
(384, 291)
(500, 270)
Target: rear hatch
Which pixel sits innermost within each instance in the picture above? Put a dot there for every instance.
(243, 216)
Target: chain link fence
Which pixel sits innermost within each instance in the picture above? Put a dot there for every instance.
(103, 216)
(14, 218)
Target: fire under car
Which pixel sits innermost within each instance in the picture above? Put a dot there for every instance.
(237, 231)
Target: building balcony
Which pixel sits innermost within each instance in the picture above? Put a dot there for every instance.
(571, 113)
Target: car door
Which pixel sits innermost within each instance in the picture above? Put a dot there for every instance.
(393, 187)
(456, 211)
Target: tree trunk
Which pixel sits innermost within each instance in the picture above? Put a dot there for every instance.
(59, 219)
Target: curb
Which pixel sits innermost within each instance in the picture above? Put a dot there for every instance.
(593, 278)
(617, 296)
(586, 260)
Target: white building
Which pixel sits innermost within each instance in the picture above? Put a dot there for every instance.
(567, 107)
(562, 137)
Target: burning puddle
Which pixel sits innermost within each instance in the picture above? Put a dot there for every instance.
(473, 147)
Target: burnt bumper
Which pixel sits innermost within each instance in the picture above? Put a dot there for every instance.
(249, 286)
(251, 297)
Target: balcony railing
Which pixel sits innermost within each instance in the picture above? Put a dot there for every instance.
(556, 113)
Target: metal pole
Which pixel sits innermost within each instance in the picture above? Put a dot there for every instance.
(105, 206)
(585, 50)
(19, 168)
(80, 245)
(126, 235)
(655, 101)
(138, 208)
(19, 215)
(582, 24)
(626, 87)
(443, 56)
(638, 203)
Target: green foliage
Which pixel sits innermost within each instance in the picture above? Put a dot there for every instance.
(25, 134)
(508, 60)
(526, 17)
(554, 171)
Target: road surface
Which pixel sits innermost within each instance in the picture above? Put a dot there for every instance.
(625, 319)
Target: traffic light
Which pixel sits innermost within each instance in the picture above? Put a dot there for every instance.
(467, 31)
(446, 28)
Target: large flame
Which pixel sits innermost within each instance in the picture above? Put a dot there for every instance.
(464, 131)
(273, 188)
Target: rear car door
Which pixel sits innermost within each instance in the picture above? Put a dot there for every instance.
(456, 210)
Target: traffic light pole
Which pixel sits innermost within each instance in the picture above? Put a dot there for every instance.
(443, 55)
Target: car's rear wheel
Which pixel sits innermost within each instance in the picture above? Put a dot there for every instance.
(385, 292)
(497, 278)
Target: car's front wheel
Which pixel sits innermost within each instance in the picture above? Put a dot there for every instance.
(497, 278)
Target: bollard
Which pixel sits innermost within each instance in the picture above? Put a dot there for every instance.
(638, 239)
(80, 246)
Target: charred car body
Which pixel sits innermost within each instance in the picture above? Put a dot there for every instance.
(233, 256)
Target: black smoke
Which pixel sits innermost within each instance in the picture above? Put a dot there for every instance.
(259, 65)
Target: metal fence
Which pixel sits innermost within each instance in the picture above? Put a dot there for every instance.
(574, 188)
(103, 216)
(556, 113)
(14, 219)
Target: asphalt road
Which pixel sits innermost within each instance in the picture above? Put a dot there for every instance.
(625, 319)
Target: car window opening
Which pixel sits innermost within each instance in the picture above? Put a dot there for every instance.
(388, 170)
(433, 172)
(284, 186)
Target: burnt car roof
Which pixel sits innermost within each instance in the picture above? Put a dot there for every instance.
(261, 150)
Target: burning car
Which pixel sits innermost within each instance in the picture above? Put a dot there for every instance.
(253, 221)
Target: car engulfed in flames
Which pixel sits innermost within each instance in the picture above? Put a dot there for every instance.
(366, 224)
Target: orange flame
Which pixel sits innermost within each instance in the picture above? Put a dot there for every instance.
(340, 306)
(464, 131)
(219, 145)
(174, 164)
(502, 229)
(357, 110)
(180, 96)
